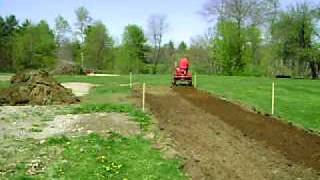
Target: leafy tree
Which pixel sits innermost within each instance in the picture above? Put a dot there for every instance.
(8, 28)
(295, 34)
(98, 47)
(132, 53)
(182, 47)
(34, 47)
(169, 52)
(239, 15)
(226, 47)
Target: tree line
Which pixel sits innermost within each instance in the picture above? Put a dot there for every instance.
(86, 46)
(257, 37)
(247, 37)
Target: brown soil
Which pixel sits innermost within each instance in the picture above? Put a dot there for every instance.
(36, 87)
(221, 140)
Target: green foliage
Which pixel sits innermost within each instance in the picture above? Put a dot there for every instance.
(236, 50)
(182, 47)
(34, 47)
(8, 30)
(227, 43)
(55, 140)
(98, 47)
(131, 56)
(295, 42)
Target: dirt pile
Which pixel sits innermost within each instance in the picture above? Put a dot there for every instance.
(36, 87)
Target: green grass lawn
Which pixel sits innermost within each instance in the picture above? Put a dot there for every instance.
(93, 156)
(4, 84)
(107, 91)
(297, 101)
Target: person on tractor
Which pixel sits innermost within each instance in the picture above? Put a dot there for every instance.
(184, 65)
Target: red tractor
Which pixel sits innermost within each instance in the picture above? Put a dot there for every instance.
(182, 76)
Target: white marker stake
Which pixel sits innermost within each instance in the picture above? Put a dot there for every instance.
(195, 79)
(272, 108)
(130, 79)
(143, 95)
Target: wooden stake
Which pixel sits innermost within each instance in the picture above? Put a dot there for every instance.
(143, 96)
(195, 80)
(131, 80)
(272, 102)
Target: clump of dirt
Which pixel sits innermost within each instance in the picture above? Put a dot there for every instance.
(36, 87)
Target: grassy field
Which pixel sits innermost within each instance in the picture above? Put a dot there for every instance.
(296, 101)
(90, 156)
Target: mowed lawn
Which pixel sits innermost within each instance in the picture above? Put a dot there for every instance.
(296, 101)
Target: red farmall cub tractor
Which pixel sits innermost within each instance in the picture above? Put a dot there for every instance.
(182, 76)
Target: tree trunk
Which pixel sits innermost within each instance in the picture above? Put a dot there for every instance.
(239, 57)
(313, 70)
(157, 57)
(156, 61)
(318, 70)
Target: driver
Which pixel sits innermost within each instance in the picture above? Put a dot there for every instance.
(184, 65)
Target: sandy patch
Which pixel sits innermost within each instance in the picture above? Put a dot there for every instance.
(5, 78)
(100, 123)
(40, 122)
(79, 89)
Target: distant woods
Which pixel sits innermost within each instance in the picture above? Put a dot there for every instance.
(257, 37)
(247, 37)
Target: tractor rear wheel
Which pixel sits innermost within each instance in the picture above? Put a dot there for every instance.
(174, 83)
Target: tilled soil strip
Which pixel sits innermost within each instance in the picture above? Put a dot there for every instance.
(295, 144)
(215, 150)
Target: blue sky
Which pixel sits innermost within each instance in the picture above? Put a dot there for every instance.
(183, 15)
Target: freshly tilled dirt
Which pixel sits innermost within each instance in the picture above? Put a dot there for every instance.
(205, 131)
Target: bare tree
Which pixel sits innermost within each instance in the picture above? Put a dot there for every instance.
(243, 12)
(62, 28)
(64, 50)
(157, 26)
(84, 21)
(201, 49)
